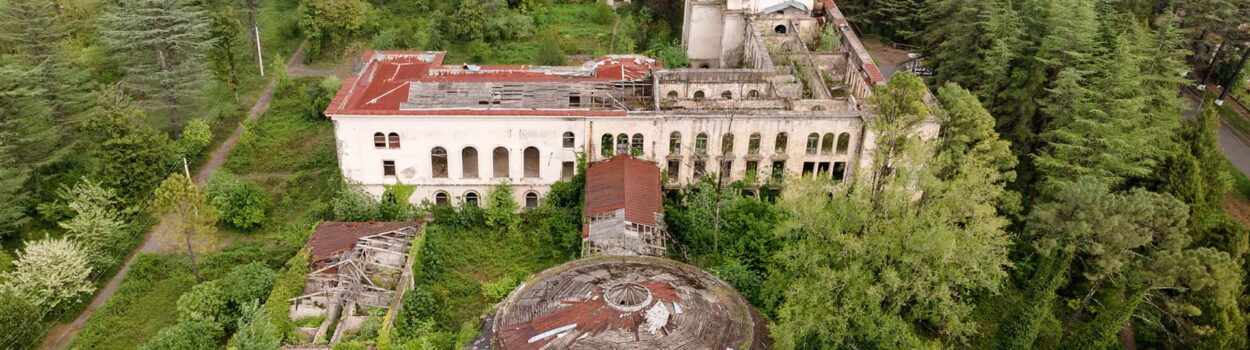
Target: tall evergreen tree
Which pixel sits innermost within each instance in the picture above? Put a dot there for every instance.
(131, 156)
(163, 43)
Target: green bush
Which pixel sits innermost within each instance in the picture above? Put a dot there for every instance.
(242, 204)
(747, 282)
(249, 283)
(205, 302)
(288, 285)
(16, 315)
(196, 136)
(186, 335)
(353, 204)
(499, 289)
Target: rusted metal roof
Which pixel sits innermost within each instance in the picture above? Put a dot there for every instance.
(333, 238)
(625, 182)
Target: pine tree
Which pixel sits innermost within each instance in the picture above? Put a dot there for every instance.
(224, 28)
(1195, 173)
(163, 43)
(967, 135)
(25, 120)
(179, 197)
(35, 31)
(13, 208)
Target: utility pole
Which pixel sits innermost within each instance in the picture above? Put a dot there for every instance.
(195, 268)
(251, 18)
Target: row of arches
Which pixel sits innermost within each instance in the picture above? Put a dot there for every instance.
(499, 160)
(816, 144)
(390, 140)
(725, 95)
(472, 198)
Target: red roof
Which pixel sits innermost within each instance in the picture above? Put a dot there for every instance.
(333, 238)
(625, 182)
(382, 84)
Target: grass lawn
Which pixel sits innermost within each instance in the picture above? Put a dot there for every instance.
(143, 305)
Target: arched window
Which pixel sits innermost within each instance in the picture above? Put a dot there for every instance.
(674, 143)
(531, 162)
(392, 140)
(700, 144)
(468, 165)
(379, 140)
(622, 144)
(753, 144)
(635, 145)
(441, 199)
(569, 140)
(780, 29)
(844, 142)
(813, 143)
(704, 66)
(606, 145)
(826, 144)
(698, 95)
(470, 198)
(727, 144)
(818, 108)
(727, 95)
(500, 162)
(672, 94)
(438, 162)
(753, 94)
(531, 199)
(780, 145)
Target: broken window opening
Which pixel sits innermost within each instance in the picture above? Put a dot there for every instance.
(779, 170)
(700, 144)
(471, 199)
(753, 144)
(813, 142)
(635, 145)
(500, 162)
(674, 143)
(672, 94)
(727, 144)
(674, 169)
(441, 199)
(622, 144)
(826, 144)
(753, 94)
(468, 167)
(698, 95)
(531, 162)
(844, 143)
(566, 170)
(839, 170)
(780, 29)
(438, 162)
(780, 145)
(700, 169)
(727, 95)
(607, 146)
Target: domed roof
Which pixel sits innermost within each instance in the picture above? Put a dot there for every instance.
(619, 302)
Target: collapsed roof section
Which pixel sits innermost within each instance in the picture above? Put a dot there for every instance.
(418, 83)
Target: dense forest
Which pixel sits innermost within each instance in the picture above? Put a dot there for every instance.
(1073, 199)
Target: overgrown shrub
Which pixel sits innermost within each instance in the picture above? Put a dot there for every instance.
(288, 285)
(747, 282)
(186, 335)
(242, 204)
(249, 283)
(499, 289)
(205, 302)
(354, 204)
(196, 136)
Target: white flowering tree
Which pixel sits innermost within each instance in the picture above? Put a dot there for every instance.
(50, 273)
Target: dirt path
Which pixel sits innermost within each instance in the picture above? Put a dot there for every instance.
(59, 337)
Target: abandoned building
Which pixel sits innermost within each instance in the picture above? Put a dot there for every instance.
(624, 210)
(356, 267)
(766, 98)
(623, 294)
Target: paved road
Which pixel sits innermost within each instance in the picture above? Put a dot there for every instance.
(59, 337)
(1233, 145)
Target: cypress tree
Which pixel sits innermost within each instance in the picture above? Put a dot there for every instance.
(1101, 332)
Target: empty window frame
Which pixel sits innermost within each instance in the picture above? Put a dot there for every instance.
(607, 146)
(753, 94)
(442, 199)
(531, 162)
(753, 144)
(392, 140)
(388, 168)
(726, 169)
(674, 169)
(468, 165)
(700, 144)
(567, 170)
(700, 169)
(531, 199)
(809, 168)
(779, 170)
(438, 162)
(471, 199)
(674, 143)
(622, 144)
(727, 144)
(813, 143)
(727, 95)
(844, 143)
(575, 100)
(826, 144)
(699, 95)
(635, 145)
(753, 169)
(500, 163)
(672, 94)
(780, 29)
(569, 139)
(839, 170)
(379, 140)
(779, 146)
(822, 169)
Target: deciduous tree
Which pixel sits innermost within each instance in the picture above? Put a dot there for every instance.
(179, 197)
(50, 273)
